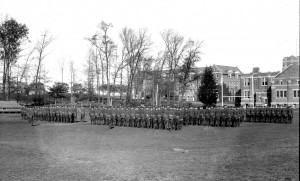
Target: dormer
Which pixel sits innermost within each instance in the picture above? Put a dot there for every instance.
(229, 73)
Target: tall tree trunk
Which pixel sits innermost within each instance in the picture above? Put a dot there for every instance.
(4, 80)
(102, 77)
(128, 95)
(108, 90)
(121, 87)
(36, 78)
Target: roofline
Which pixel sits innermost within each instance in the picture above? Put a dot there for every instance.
(217, 67)
(288, 78)
(283, 70)
(250, 76)
(228, 66)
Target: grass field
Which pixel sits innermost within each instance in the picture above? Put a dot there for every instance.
(60, 151)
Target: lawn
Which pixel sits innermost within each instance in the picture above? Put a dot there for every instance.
(81, 151)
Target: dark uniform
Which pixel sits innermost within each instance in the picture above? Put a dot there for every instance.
(290, 115)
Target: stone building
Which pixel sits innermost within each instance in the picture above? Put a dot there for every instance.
(285, 87)
(256, 87)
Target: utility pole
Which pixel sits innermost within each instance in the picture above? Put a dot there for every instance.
(222, 87)
(253, 91)
(156, 95)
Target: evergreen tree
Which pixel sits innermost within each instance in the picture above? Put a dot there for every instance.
(207, 91)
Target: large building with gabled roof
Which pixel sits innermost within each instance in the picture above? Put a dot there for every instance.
(256, 88)
(230, 76)
(291, 60)
(285, 87)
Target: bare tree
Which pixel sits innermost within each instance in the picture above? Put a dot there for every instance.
(118, 67)
(41, 46)
(72, 73)
(159, 63)
(174, 49)
(23, 71)
(61, 65)
(97, 57)
(90, 73)
(136, 46)
(109, 47)
(187, 73)
(44, 79)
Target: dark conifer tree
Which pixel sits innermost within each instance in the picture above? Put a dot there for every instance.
(207, 91)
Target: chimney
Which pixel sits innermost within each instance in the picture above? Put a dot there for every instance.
(255, 70)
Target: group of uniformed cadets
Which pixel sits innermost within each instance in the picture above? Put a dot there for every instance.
(54, 114)
(160, 118)
(269, 115)
(166, 118)
(155, 118)
(216, 117)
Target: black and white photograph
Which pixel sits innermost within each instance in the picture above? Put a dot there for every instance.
(169, 90)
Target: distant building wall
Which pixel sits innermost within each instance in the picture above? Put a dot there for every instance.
(291, 60)
(285, 88)
(254, 87)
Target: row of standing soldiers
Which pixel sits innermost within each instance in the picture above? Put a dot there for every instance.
(54, 114)
(269, 115)
(160, 118)
(166, 118)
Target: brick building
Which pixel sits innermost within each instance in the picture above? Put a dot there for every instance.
(230, 76)
(291, 60)
(285, 87)
(190, 93)
(256, 87)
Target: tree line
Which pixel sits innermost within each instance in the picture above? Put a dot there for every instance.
(19, 79)
(111, 70)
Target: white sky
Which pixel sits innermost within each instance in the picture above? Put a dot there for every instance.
(242, 33)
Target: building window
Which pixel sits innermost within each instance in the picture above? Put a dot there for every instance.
(246, 94)
(264, 81)
(281, 94)
(229, 75)
(284, 93)
(217, 75)
(296, 93)
(246, 82)
(280, 82)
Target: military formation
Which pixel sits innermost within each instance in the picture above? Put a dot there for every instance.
(53, 114)
(269, 115)
(155, 118)
(165, 117)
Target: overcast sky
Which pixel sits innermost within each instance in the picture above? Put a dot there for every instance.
(242, 33)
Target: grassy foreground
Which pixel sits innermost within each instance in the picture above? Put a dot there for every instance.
(60, 151)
